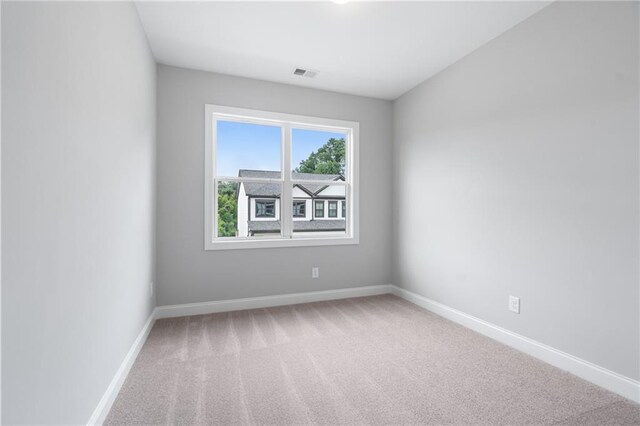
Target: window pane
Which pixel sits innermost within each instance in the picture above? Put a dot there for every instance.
(299, 208)
(333, 209)
(317, 155)
(322, 207)
(344, 209)
(265, 208)
(227, 209)
(259, 209)
(252, 148)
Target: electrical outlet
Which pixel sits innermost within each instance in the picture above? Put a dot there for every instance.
(315, 272)
(150, 288)
(514, 304)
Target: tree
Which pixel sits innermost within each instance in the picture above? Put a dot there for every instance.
(227, 209)
(329, 159)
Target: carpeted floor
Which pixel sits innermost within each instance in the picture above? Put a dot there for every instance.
(371, 360)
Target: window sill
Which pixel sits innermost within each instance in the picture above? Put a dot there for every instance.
(279, 243)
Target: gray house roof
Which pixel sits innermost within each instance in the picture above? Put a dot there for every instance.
(254, 189)
(298, 225)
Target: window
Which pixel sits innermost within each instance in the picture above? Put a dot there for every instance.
(299, 207)
(265, 208)
(258, 161)
(333, 209)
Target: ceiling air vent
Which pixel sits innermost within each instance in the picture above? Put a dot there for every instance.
(306, 73)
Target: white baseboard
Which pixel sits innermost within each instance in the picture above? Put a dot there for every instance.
(170, 311)
(100, 413)
(624, 386)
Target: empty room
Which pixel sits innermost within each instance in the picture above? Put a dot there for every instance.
(320, 213)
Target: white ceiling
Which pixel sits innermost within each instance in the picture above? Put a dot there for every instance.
(377, 49)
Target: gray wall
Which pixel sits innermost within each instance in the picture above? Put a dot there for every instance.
(188, 273)
(77, 203)
(516, 172)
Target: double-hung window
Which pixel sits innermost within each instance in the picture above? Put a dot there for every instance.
(264, 169)
(333, 209)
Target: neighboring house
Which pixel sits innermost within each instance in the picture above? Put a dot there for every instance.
(315, 207)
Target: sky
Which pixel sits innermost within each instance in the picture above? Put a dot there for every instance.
(257, 147)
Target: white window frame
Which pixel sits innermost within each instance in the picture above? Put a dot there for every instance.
(287, 122)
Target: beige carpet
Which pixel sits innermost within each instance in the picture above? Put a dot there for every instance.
(372, 360)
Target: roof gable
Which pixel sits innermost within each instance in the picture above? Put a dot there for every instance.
(258, 189)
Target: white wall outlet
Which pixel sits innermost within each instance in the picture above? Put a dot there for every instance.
(514, 304)
(315, 272)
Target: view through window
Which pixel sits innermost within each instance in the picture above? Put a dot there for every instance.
(261, 162)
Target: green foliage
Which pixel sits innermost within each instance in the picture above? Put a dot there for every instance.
(329, 159)
(227, 209)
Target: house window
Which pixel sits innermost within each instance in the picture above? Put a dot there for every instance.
(344, 209)
(299, 208)
(265, 208)
(258, 161)
(333, 209)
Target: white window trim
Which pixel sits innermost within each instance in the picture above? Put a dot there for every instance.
(288, 121)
